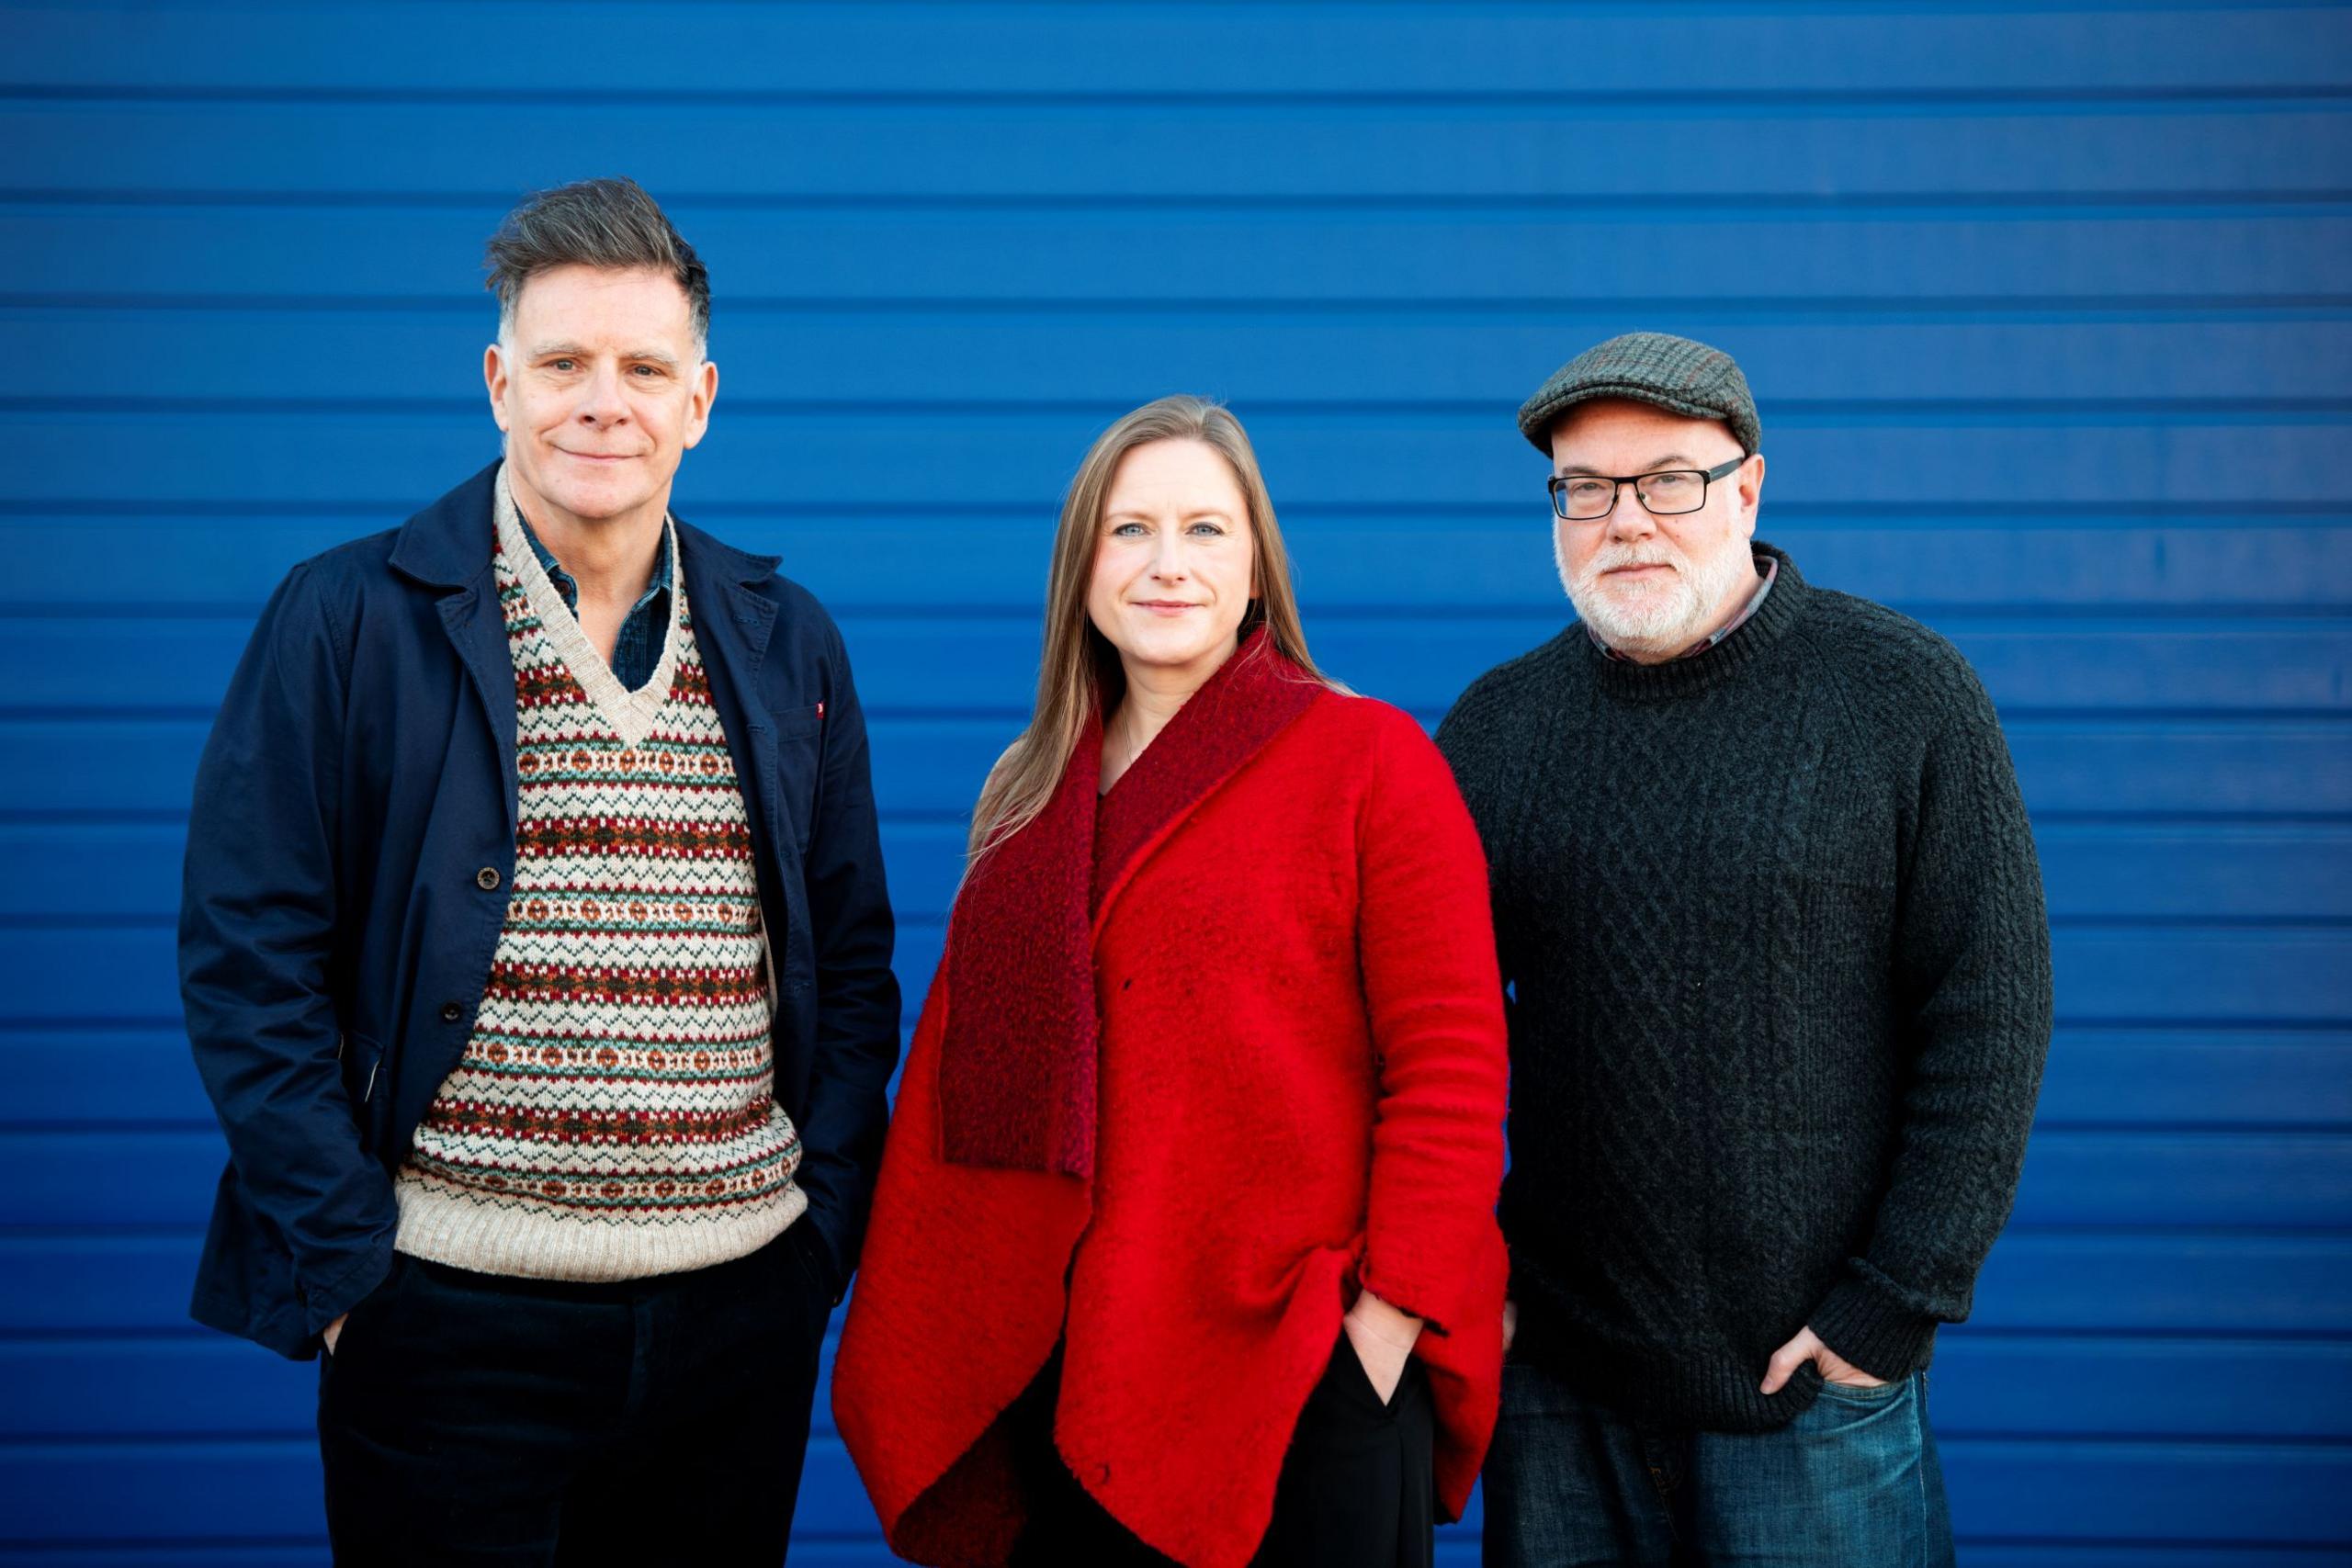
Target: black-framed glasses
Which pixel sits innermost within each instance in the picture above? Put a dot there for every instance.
(1669, 493)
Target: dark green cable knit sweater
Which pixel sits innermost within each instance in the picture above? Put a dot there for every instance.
(1774, 931)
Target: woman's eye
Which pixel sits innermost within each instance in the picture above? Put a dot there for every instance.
(1128, 530)
(1210, 528)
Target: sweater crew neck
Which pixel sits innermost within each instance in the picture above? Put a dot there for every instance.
(1753, 640)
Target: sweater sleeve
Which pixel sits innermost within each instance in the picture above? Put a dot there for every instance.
(1427, 951)
(1973, 989)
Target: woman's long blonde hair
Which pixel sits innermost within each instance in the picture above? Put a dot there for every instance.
(1079, 669)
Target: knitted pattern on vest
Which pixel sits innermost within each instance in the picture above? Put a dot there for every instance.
(614, 1114)
(1780, 974)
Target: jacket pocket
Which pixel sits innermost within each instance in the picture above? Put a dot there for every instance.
(364, 1082)
(799, 756)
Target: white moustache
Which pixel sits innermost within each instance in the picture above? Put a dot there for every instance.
(1616, 557)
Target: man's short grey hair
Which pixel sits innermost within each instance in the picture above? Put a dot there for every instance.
(604, 224)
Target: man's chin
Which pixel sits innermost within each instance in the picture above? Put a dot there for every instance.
(1644, 627)
(597, 502)
(1649, 610)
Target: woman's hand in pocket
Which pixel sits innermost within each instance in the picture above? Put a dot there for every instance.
(1382, 1339)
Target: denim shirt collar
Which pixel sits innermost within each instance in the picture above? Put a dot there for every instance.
(569, 586)
(637, 649)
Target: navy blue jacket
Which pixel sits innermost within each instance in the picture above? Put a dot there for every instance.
(350, 854)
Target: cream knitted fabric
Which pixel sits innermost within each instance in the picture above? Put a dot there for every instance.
(614, 1115)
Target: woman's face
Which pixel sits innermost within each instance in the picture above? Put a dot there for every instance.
(1174, 561)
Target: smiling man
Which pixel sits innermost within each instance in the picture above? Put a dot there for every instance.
(1769, 911)
(536, 953)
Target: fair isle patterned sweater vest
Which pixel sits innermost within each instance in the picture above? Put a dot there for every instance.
(614, 1114)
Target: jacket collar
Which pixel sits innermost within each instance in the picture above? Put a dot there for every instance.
(447, 545)
(1018, 1055)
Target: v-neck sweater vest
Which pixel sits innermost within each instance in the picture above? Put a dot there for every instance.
(614, 1114)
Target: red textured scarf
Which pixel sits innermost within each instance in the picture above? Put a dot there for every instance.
(1017, 1062)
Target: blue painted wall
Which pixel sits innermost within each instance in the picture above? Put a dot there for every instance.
(2050, 316)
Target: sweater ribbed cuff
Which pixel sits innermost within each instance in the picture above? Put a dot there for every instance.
(1864, 1324)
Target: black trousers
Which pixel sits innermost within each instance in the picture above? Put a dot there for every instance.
(468, 1419)
(1358, 1486)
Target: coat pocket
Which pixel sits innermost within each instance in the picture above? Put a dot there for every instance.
(799, 756)
(365, 1084)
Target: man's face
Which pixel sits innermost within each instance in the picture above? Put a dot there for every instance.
(600, 387)
(1647, 584)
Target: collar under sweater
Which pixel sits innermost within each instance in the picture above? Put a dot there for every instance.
(1782, 608)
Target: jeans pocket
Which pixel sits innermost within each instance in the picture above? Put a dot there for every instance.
(1878, 1395)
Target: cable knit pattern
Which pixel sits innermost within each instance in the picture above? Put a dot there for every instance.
(614, 1115)
(1780, 973)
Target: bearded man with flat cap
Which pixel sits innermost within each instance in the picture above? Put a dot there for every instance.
(1770, 918)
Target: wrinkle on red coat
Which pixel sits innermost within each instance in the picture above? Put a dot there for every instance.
(1301, 1080)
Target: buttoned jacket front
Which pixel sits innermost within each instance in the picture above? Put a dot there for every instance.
(350, 847)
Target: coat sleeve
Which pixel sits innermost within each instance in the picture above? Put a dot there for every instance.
(1972, 982)
(857, 995)
(1426, 946)
(257, 912)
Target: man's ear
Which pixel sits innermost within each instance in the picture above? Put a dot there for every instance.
(1751, 477)
(699, 397)
(494, 380)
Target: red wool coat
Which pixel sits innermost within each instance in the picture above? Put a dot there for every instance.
(1295, 1064)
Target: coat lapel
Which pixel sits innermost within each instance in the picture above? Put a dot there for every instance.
(448, 546)
(732, 626)
(1252, 699)
(1018, 1057)
(476, 623)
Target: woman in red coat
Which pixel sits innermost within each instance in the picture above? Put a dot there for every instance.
(1184, 1245)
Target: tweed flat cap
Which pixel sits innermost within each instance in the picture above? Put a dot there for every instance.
(1675, 372)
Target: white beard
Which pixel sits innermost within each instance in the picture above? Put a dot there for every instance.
(1654, 616)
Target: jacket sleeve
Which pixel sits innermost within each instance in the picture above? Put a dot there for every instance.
(857, 995)
(1973, 986)
(257, 913)
(1427, 948)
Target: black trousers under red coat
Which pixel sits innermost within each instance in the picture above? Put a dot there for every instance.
(1358, 1486)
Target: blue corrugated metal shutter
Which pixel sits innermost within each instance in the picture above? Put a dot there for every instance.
(2052, 320)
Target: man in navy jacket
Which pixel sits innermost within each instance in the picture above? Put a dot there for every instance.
(536, 953)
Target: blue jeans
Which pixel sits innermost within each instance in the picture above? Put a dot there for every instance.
(1852, 1482)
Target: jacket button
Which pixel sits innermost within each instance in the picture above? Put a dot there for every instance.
(487, 878)
(451, 1012)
